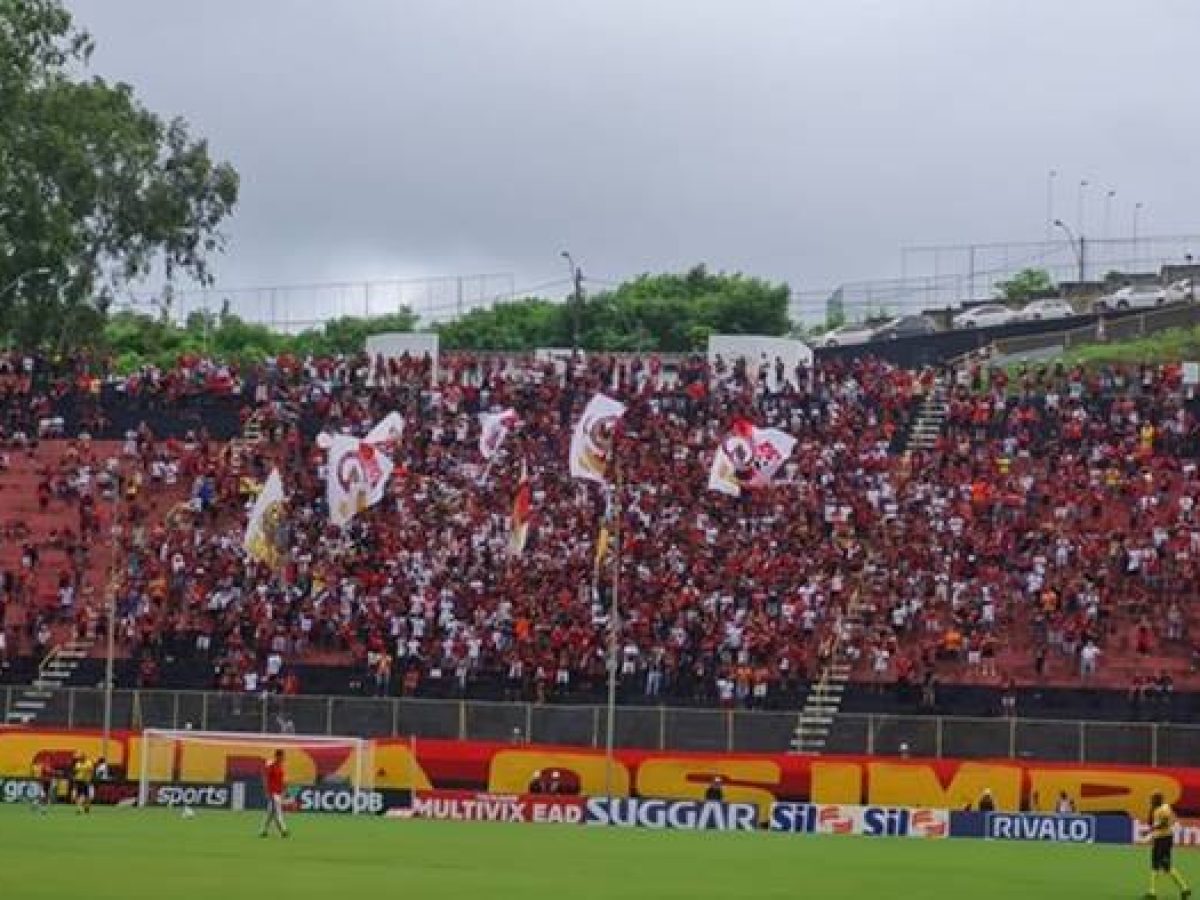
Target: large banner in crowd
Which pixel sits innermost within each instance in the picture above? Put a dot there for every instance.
(760, 779)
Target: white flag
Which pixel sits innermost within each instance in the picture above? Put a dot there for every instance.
(592, 440)
(262, 530)
(357, 476)
(494, 428)
(387, 432)
(748, 457)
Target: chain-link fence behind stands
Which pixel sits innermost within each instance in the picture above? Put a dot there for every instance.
(648, 728)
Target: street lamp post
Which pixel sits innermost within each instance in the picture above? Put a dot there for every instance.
(1079, 248)
(1137, 209)
(1080, 218)
(1050, 176)
(576, 300)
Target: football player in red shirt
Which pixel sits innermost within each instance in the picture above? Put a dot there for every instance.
(275, 781)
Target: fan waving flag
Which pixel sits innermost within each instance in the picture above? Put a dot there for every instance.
(262, 540)
(749, 457)
(494, 428)
(592, 440)
(522, 508)
(357, 475)
(387, 433)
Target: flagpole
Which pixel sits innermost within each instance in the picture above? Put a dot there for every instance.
(614, 627)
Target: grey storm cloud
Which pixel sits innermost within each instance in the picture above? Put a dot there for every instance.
(805, 141)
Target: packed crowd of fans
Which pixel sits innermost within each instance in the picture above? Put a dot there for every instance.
(1051, 529)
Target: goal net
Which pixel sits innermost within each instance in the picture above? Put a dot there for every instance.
(225, 769)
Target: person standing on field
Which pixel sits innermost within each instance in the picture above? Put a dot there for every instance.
(275, 781)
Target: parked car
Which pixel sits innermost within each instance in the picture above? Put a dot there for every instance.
(848, 335)
(1182, 291)
(1046, 309)
(984, 315)
(905, 326)
(1134, 296)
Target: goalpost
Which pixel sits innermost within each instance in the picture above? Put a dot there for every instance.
(173, 761)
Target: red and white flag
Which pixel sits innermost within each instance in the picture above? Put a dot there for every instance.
(521, 514)
(387, 432)
(748, 458)
(592, 440)
(356, 476)
(494, 428)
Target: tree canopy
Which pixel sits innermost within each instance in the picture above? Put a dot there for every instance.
(673, 312)
(95, 189)
(1028, 284)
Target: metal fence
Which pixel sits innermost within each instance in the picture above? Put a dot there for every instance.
(650, 728)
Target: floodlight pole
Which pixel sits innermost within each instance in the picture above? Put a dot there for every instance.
(614, 630)
(576, 300)
(110, 649)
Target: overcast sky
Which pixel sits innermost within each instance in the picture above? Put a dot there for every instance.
(798, 140)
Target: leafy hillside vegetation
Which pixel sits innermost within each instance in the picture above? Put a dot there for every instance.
(1173, 345)
(673, 313)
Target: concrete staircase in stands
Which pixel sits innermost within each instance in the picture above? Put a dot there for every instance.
(53, 674)
(819, 713)
(931, 417)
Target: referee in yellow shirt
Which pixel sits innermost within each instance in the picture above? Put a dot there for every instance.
(1162, 838)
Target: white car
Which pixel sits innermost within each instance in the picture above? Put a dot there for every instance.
(1134, 296)
(985, 315)
(1182, 291)
(1046, 309)
(848, 335)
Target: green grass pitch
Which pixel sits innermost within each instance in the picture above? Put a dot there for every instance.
(129, 854)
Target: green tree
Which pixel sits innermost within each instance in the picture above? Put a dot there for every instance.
(670, 312)
(95, 189)
(1028, 284)
(349, 333)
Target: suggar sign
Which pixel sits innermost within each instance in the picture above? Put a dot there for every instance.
(691, 815)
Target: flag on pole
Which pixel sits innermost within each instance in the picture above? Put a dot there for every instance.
(494, 428)
(266, 516)
(387, 432)
(356, 477)
(592, 440)
(748, 457)
(522, 507)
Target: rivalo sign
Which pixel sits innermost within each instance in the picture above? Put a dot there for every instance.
(867, 821)
(1059, 829)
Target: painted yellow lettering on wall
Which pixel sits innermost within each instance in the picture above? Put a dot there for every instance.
(18, 749)
(687, 779)
(915, 784)
(397, 767)
(207, 760)
(834, 782)
(1098, 790)
(512, 770)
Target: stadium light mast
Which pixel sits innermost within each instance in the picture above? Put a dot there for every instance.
(576, 299)
(1050, 176)
(614, 629)
(1077, 246)
(110, 649)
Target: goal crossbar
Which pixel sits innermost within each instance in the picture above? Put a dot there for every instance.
(260, 745)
